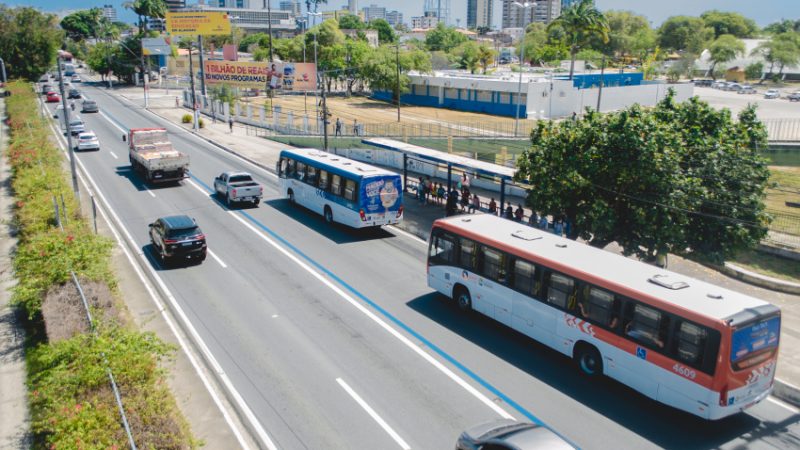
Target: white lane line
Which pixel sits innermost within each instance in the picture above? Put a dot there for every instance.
(112, 154)
(374, 415)
(150, 192)
(198, 187)
(228, 385)
(216, 258)
(405, 233)
(414, 347)
(105, 116)
(784, 405)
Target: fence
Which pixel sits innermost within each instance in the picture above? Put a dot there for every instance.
(783, 130)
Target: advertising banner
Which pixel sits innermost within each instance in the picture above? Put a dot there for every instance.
(156, 46)
(198, 22)
(262, 75)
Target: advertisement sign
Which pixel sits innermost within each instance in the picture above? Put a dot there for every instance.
(198, 22)
(262, 75)
(156, 46)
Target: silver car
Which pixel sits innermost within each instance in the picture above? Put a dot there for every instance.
(772, 93)
(88, 141)
(511, 435)
(747, 89)
(76, 125)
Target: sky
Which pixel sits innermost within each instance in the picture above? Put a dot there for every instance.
(762, 11)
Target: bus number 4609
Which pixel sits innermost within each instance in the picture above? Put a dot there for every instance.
(685, 371)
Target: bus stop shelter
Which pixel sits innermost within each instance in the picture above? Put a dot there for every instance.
(436, 157)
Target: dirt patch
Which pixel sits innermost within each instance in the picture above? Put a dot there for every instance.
(63, 311)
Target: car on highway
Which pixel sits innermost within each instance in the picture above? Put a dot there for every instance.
(177, 238)
(74, 93)
(238, 187)
(52, 97)
(794, 96)
(58, 110)
(87, 141)
(89, 106)
(508, 434)
(76, 125)
(772, 93)
(47, 88)
(76, 79)
(746, 89)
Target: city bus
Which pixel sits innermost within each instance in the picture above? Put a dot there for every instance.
(691, 345)
(340, 189)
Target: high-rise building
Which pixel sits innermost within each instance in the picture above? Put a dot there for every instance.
(440, 8)
(290, 5)
(428, 21)
(110, 13)
(373, 12)
(394, 18)
(234, 4)
(352, 6)
(519, 17)
(479, 13)
(174, 5)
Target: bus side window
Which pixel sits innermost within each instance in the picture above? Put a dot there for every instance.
(443, 249)
(560, 290)
(493, 264)
(300, 171)
(282, 168)
(646, 325)
(524, 277)
(467, 254)
(312, 176)
(289, 168)
(599, 306)
(336, 185)
(323, 180)
(350, 190)
(691, 343)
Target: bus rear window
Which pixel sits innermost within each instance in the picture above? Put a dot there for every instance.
(754, 343)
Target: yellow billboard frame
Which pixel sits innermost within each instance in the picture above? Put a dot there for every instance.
(206, 23)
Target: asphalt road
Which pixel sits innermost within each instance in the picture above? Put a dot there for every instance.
(334, 340)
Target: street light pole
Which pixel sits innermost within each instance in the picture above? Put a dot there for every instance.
(3, 67)
(66, 127)
(525, 6)
(600, 91)
(269, 26)
(144, 77)
(397, 57)
(191, 84)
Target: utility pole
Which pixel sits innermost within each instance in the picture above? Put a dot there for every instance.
(144, 76)
(3, 67)
(191, 83)
(600, 92)
(397, 57)
(519, 85)
(324, 119)
(66, 127)
(269, 26)
(202, 67)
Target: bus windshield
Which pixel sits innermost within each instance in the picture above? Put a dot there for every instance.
(754, 338)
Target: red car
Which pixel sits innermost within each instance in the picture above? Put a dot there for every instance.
(52, 97)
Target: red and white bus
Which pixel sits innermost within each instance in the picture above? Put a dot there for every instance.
(683, 342)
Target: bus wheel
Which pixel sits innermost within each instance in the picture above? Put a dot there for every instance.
(463, 300)
(589, 360)
(290, 195)
(328, 214)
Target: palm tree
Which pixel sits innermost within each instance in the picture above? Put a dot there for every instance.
(580, 22)
(147, 8)
(485, 57)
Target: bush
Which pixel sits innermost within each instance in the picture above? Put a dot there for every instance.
(186, 118)
(201, 123)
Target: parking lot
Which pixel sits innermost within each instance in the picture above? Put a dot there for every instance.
(779, 108)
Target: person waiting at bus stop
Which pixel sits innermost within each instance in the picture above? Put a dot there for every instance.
(451, 206)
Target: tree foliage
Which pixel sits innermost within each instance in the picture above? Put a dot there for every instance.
(783, 26)
(685, 33)
(443, 38)
(83, 24)
(385, 31)
(351, 22)
(729, 23)
(629, 35)
(146, 8)
(580, 23)
(782, 49)
(29, 41)
(724, 49)
(681, 178)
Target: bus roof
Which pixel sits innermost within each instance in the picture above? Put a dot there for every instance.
(615, 271)
(340, 163)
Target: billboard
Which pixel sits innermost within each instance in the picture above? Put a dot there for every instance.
(198, 22)
(262, 75)
(156, 46)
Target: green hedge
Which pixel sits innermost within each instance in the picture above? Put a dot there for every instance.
(72, 405)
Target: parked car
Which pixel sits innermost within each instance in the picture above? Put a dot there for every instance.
(794, 96)
(732, 87)
(76, 79)
(52, 97)
(89, 106)
(76, 125)
(508, 434)
(177, 237)
(238, 187)
(747, 89)
(719, 84)
(703, 83)
(88, 141)
(74, 93)
(772, 93)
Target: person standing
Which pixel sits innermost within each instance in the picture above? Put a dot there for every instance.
(355, 127)
(519, 213)
(230, 123)
(493, 207)
(509, 212)
(338, 126)
(476, 203)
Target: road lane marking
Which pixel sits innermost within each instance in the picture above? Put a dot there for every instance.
(199, 188)
(112, 154)
(150, 192)
(237, 398)
(784, 405)
(373, 414)
(213, 255)
(113, 122)
(405, 233)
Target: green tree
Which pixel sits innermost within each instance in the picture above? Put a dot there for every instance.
(467, 56)
(443, 38)
(580, 22)
(259, 39)
(685, 33)
(682, 178)
(724, 49)
(29, 41)
(783, 26)
(486, 57)
(754, 71)
(729, 23)
(146, 8)
(380, 68)
(100, 56)
(351, 22)
(83, 24)
(385, 31)
(782, 49)
(629, 35)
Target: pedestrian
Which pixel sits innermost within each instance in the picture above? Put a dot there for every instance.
(493, 207)
(533, 219)
(574, 116)
(519, 213)
(72, 105)
(230, 123)
(558, 226)
(338, 126)
(355, 127)
(567, 227)
(543, 222)
(421, 189)
(476, 203)
(452, 203)
(440, 194)
(465, 179)
(177, 102)
(509, 212)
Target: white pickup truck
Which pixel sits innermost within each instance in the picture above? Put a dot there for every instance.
(152, 155)
(238, 187)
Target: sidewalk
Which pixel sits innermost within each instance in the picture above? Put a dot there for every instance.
(418, 219)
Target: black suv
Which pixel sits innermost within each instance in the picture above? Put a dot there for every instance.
(177, 237)
(74, 93)
(89, 106)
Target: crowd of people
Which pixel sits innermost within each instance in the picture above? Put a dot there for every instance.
(460, 200)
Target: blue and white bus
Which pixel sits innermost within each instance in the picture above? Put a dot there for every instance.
(340, 189)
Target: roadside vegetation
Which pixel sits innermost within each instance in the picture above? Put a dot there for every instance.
(72, 404)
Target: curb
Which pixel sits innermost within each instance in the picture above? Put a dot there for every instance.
(753, 278)
(786, 392)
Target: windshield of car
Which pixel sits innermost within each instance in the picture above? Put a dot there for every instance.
(89, 103)
(76, 122)
(182, 233)
(86, 137)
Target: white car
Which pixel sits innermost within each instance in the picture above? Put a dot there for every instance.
(76, 79)
(88, 141)
(76, 125)
(772, 93)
